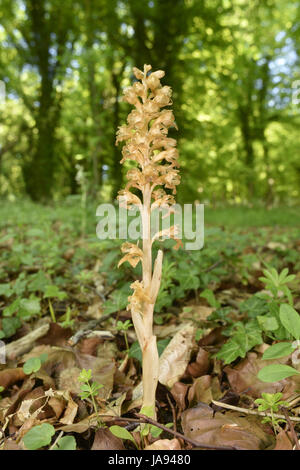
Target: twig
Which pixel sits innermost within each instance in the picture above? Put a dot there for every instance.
(56, 440)
(86, 329)
(291, 426)
(24, 344)
(145, 419)
(252, 412)
(215, 265)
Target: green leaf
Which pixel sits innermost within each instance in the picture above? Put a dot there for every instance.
(122, 433)
(39, 436)
(290, 320)
(210, 297)
(155, 431)
(10, 326)
(29, 307)
(278, 350)
(267, 323)
(254, 306)
(54, 292)
(32, 365)
(6, 290)
(85, 375)
(230, 351)
(66, 443)
(243, 339)
(12, 308)
(117, 301)
(276, 372)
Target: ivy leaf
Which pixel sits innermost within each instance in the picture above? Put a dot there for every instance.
(29, 308)
(6, 290)
(230, 351)
(117, 301)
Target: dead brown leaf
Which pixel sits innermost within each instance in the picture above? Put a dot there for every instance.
(105, 440)
(243, 377)
(179, 392)
(201, 366)
(9, 377)
(202, 425)
(200, 391)
(175, 357)
(164, 444)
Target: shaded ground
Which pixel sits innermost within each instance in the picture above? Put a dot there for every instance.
(211, 325)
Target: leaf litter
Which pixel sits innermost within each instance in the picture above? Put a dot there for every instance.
(89, 301)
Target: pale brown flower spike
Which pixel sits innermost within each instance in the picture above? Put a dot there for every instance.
(156, 157)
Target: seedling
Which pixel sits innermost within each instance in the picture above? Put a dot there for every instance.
(89, 390)
(271, 402)
(124, 326)
(155, 157)
(67, 319)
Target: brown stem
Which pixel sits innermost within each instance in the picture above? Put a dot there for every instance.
(291, 426)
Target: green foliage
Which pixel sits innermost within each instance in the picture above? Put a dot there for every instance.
(276, 372)
(278, 350)
(270, 316)
(88, 390)
(39, 436)
(122, 433)
(271, 402)
(277, 283)
(54, 292)
(65, 443)
(34, 364)
(290, 320)
(118, 299)
(243, 338)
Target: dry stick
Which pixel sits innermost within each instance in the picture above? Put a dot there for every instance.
(291, 426)
(87, 328)
(145, 419)
(24, 344)
(252, 412)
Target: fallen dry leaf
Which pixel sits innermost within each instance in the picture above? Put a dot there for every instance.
(105, 440)
(176, 356)
(165, 444)
(243, 377)
(200, 391)
(243, 433)
(179, 392)
(201, 366)
(283, 441)
(9, 377)
(70, 412)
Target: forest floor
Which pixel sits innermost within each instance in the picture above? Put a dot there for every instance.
(71, 375)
